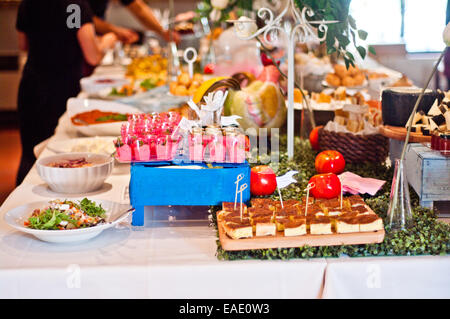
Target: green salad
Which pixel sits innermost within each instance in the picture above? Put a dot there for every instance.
(60, 215)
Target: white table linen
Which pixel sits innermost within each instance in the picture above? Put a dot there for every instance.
(388, 277)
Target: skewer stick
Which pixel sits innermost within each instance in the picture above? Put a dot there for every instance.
(238, 179)
(308, 188)
(241, 189)
(281, 198)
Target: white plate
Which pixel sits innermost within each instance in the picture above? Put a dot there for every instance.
(76, 105)
(16, 217)
(86, 144)
(91, 85)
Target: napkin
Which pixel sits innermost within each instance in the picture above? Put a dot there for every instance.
(355, 184)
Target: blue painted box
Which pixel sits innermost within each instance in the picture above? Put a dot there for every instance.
(428, 172)
(162, 184)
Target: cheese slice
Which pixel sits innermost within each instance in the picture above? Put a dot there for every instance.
(434, 110)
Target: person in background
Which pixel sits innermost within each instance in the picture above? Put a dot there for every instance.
(58, 37)
(140, 10)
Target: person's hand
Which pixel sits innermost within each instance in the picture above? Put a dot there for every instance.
(108, 40)
(171, 36)
(126, 36)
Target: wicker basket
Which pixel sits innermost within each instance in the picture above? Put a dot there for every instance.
(356, 148)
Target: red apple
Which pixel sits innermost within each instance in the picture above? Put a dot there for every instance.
(263, 180)
(330, 162)
(314, 139)
(325, 186)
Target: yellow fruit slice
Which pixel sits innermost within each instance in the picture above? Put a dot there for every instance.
(204, 87)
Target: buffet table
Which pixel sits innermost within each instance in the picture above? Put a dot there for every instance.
(178, 260)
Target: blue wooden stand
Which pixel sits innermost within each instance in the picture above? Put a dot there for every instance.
(154, 184)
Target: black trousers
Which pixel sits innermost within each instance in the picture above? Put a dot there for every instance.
(41, 102)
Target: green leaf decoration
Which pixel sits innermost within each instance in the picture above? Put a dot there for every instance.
(361, 51)
(362, 34)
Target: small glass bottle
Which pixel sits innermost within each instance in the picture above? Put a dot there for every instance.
(216, 144)
(435, 140)
(196, 147)
(444, 144)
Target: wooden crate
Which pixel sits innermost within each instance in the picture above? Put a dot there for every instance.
(428, 172)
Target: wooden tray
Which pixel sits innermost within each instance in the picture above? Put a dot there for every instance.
(280, 241)
(399, 133)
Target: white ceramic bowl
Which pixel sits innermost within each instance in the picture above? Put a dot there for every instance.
(115, 213)
(75, 180)
(76, 105)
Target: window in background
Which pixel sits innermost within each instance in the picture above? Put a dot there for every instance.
(382, 19)
(424, 22)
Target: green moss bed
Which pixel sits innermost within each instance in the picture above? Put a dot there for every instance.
(428, 236)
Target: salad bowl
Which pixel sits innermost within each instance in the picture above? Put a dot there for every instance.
(115, 213)
(76, 180)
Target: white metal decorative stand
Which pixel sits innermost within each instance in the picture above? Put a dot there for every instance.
(295, 26)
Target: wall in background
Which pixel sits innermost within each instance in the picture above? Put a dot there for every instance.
(9, 79)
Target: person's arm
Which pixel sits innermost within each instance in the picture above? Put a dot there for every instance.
(23, 41)
(145, 15)
(93, 49)
(125, 35)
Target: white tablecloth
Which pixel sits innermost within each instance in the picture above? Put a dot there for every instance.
(388, 277)
(163, 261)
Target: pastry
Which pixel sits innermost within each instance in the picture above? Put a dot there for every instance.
(229, 206)
(287, 212)
(355, 201)
(264, 226)
(347, 225)
(296, 227)
(320, 225)
(370, 223)
(239, 229)
(254, 212)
